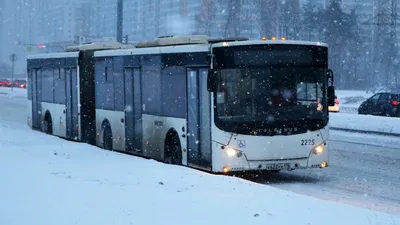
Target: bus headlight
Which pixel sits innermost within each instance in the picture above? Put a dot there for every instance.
(231, 152)
(318, 149)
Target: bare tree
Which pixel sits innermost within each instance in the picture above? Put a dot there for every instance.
(230, 13)
(205, 20)
(268, 17)
(289, 19)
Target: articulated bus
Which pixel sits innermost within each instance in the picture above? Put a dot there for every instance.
(219, 105)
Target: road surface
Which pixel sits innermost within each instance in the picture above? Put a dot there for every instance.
(363, 175)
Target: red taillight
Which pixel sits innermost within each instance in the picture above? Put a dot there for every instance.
(395, 103)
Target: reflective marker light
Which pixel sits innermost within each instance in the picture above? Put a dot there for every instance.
(263, 38)
(283, 38)
(273, 38)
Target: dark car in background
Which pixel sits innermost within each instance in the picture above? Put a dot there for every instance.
(381, 104)
(5, 83)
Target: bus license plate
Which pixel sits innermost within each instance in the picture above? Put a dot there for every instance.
(277, 167)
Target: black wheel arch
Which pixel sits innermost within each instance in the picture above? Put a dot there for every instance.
(49, 120)
(169, 137)
(47, 115)
(105, 124)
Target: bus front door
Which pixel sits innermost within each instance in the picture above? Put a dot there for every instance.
(71, 104)
(133, 111)
(198, 119)
(36, 99)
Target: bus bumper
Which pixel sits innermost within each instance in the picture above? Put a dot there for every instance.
(316, 159)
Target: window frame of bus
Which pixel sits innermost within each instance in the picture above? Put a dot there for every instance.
(213, 78)
(331, 88)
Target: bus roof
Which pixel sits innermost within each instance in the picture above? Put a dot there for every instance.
(168, 44)
(155, 50)
(54, 55)
(261, 42)
(197, 47)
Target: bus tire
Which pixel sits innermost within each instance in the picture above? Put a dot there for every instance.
(107, 139)
(48, 124)
(172, 149)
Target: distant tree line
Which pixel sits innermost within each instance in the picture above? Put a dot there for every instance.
(341, 31)
(345, 34)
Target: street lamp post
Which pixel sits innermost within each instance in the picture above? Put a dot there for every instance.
(120, 9)
(13, 58)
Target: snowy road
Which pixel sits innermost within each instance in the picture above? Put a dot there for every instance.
(359, 174)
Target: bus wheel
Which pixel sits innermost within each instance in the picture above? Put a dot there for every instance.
(48, 124)
(172, 150)
(107, 139)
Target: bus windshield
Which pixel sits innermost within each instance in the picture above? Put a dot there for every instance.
(270, 96)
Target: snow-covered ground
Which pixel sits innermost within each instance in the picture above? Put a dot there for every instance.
(15, 93)
(349, 103)
(365, 122)
(47, 180)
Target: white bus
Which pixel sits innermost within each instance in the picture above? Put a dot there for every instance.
(219, 105)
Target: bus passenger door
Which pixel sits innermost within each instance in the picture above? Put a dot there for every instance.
(36, 99)
(133, 111)
(71, 103)
(198, 119)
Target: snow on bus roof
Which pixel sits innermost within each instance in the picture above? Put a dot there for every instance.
(155, 50)
(197, 47)
(54, 55)
(266, 42)
(172, 49)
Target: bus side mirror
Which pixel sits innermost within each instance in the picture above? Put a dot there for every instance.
(331, 96)
(331, 88)
(212, 81)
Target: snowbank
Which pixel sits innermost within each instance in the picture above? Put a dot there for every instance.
(46, 180)
(18, 93)
(365, 122)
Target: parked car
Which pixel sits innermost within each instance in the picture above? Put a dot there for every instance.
(381, 104)
(5, 83)
(19, 83)
(336, 107)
